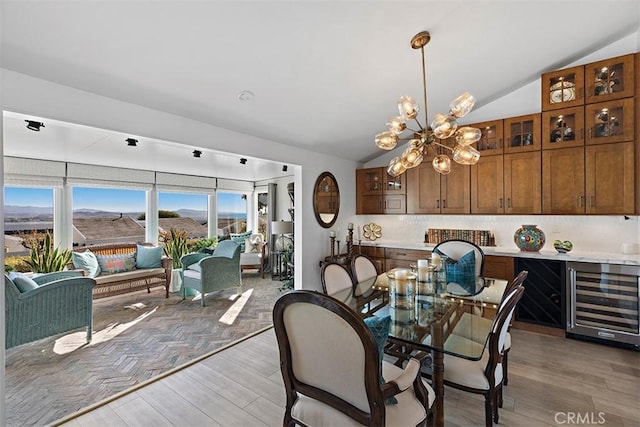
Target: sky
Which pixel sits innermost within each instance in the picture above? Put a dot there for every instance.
(120, 200)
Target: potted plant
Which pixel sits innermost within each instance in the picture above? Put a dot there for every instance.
(44, 258)
(175, 246)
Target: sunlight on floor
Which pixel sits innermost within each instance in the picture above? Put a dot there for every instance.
(230, 316)
(76, 340)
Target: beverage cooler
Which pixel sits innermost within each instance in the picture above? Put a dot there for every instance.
(603, 302)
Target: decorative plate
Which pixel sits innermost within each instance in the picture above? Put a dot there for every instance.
(372, 231)
(563, 92)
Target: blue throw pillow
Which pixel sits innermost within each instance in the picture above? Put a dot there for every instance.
(380, 327)
(149, 256)
(22, 282)
(462, 271)
(86, 261)
(239, 238)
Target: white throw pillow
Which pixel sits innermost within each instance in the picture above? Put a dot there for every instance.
(252, 244)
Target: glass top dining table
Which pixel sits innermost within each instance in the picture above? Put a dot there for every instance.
(428, 319)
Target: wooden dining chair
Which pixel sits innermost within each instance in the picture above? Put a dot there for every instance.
(364, 272)
(473, 326)
(484, 376)
(456, 249)
(333, 371)
(335, 277)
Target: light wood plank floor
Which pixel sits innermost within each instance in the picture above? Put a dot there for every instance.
(550, 378)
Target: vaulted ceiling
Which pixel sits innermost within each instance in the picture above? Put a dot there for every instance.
(325, 75)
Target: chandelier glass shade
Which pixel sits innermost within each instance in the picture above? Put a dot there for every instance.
(428, 138)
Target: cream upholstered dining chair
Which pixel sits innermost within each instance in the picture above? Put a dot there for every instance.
(363, 269)
(484, 376)
(455, 249)
(472, 326)
(333, 371)
(334, 278)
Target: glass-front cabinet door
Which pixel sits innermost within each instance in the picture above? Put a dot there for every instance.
(610, 79)
(563, 128)
(563, 88)
(522, 133)
(395, 185)
(491, 141)
(610, 121)
(370, 181)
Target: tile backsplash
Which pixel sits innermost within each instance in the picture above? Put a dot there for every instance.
(589, 233)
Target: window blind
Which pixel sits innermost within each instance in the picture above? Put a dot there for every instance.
(22, 172)
(185, 183)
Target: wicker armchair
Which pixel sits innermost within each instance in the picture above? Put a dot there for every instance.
(63, 301)
(208, 273)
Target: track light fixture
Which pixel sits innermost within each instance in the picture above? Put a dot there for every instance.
(243, 161)
(284, 168)
(132, 142)
(197, 153)
(34, 126)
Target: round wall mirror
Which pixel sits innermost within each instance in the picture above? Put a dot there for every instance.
(326, 199)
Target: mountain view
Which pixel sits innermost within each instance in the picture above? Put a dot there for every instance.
(37, 213)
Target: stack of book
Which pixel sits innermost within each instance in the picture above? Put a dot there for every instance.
(479, 237)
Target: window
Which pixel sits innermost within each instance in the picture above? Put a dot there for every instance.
(184, 212)
(28, 212)
(232, 213)
(107, 215)
(263, 212)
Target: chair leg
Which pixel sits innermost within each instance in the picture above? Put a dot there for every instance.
(488, 410)
(495, 403)
(505, 367)
(500, 401)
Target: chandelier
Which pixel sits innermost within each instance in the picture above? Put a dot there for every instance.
(429, 138)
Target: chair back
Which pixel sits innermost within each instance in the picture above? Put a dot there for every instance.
(335, 278)
(500, 326)
(227, 249)
(456, 249)
(328, 354)
(362, 268)
(517, 281)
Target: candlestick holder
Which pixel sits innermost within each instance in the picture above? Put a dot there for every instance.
(338, 242)
(350, 243)
(333, 246)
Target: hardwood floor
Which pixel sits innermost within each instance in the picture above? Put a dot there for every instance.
(552, 381)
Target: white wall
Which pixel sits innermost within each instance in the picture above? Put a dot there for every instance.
(602, 233)
(28, 95)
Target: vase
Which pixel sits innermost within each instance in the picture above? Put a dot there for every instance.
(529, 238)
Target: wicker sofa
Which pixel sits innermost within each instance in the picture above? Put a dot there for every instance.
(128, 281)
(59, 303)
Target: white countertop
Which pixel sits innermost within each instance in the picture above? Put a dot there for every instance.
(550, 254)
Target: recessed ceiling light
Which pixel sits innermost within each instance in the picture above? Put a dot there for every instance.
(132, 142)
(34, 126)
(245, 96)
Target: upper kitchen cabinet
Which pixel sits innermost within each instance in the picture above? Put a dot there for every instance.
(563, 128)
(379, 193)
(610, 79)
(609, 173)
(563, 88)
(522, 133)
(429, 192)
(491, 141)
(610, 121)
(563, 181)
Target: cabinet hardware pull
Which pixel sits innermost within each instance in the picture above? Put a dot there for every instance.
(501, 206)
(581, 133)
(508, 202)
(589, 134)
(438, 203)
(444, 203)
(579, 201)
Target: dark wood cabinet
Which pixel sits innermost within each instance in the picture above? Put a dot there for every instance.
(563, 181)
(429, 192)
(487, 186)
(498, 267)
(523, 183)
(610, 79)
(609, 122)
(522, 133)
(491, 141)
(379, 193)
(562, 88)
(609, 172)
(563, 128)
